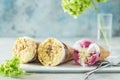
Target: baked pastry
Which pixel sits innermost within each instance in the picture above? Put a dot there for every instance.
(104, 53)
(25, 49)
(87, 52)
(53, 52)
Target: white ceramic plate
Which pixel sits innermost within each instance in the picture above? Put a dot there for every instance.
(69, 67)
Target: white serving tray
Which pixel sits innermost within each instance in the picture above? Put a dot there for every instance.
(69, 67)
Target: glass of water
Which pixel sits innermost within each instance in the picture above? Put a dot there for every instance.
(104, 35)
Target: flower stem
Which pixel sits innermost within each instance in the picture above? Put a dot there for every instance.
(101, 26)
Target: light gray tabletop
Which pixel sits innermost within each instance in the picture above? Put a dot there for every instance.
(6, 45)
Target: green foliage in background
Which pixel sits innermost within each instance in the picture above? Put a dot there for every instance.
(76, 7)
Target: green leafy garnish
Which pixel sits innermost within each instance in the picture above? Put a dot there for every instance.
(76, 7)
(11, 68)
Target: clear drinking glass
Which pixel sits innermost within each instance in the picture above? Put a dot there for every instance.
(104, 35)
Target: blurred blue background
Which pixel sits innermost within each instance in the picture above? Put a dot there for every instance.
(40, 18)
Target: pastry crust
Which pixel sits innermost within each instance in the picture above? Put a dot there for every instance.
(53, 52)
(26, 49)
(87, 52)
(68, 53)
(104, 53)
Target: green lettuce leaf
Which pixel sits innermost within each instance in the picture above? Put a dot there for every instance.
(11, 68)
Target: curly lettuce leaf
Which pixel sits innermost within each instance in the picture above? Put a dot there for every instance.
(11, 68)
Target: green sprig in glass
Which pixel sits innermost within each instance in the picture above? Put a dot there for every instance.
(77, 7)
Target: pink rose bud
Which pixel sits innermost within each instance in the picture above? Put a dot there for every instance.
(86, 52)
